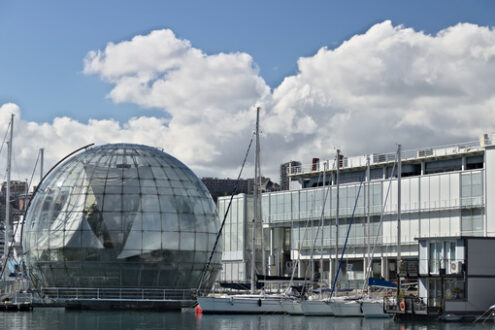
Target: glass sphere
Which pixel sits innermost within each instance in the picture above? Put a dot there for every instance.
(121, 215)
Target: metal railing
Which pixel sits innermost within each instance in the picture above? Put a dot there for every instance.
(360, 161)
(116, 294)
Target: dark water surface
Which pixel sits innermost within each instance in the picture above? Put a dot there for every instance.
(58, 318)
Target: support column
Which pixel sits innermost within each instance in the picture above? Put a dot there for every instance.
(384, 268)
(330, 271)
(365, 268)
(271, 257)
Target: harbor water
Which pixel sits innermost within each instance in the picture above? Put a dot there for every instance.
(58, 318)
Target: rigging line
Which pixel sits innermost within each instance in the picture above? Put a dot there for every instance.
(12, 239)
(368, 268)
(347, 236)
(321, 223)
(236, 188)
(305, 235)
(32, 174)
(3, 142)
(5, 137)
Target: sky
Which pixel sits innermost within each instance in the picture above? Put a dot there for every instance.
(186, 76)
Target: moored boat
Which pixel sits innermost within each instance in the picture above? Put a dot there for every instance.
(320, 307)
(243, 304)
(346, 307)
(373, 308)
(292, 306)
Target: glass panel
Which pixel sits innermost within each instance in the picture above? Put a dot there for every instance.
(104, 210)
(187, 241)
(152, 221)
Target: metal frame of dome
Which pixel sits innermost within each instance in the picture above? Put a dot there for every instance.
(120, 216)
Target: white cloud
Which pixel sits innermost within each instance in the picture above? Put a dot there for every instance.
(209, 97)
(389, 85)
(64, 135)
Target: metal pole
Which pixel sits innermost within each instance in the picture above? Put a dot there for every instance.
(253, 241)
(321, 225)
(7, 199)
(368, 219)
(399, 176)
(42, 155)
(260, 218)
(337, 218)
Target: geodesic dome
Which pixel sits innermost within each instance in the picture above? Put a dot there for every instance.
(121, 215)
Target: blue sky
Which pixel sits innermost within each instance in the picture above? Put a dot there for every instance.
(183, 76)
(44, 42)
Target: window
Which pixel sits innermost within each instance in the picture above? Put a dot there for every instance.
(472, 222)
(436, 256)
(446, 165)
(452, 256)
(474, 162)
(471, 189)
(454, 288)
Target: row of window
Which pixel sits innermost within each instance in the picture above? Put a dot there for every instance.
(361, 234)
(445, 191)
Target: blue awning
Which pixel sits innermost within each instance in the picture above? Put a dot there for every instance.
(378, 282)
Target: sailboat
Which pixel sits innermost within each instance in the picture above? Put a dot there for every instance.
(8, 231)
(320, 306)
(346, 306)
(248, 303)
(373, 306)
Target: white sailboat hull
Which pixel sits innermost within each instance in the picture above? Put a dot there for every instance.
(347, 308)
(292, 307)
(317, 308)
(241, 305)
(373, 309)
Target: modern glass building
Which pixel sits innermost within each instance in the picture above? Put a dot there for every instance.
(121, 216)
(445, 192)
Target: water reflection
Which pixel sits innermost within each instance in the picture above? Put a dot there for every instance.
(55, 318)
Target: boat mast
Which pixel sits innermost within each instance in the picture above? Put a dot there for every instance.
(368, 227)
(7, 199)
(256, 199)
(337, 218)
(321, 225)
(399, 176)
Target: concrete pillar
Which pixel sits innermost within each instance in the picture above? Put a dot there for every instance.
(422, 168)
(384, 268)
(463, 163)
(271, 258)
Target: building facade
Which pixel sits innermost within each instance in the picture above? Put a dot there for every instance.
(445, 192)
